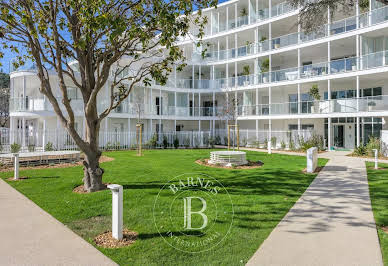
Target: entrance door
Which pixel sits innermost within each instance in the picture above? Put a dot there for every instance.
(339, 136)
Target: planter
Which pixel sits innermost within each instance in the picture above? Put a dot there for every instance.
(265, 79)
(277, 46)
(354, 68)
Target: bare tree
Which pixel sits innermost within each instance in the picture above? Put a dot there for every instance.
(125, 41)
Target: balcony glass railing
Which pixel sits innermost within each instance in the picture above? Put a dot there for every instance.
(33, 104)
(343, 105)
(345, 25)
(262, 14)
(373, 60)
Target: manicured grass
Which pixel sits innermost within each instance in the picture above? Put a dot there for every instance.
(378, 189)
(261, 197)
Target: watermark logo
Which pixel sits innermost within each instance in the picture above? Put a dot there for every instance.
(193, 212)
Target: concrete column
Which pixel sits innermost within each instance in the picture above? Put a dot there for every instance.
(235, 14)
(57, 134)
(270, 100)
(12, 130)
(299, 100)
(329, 57)
(199, 105)
(257, 130)
(357, 14)
(358, 51)
(370, 12)
(214, 104)
(235, 74)
(358, 92)
(106, 130)
(299, 63)
(358, 131)
(16, 166)
(269, 144)
(117, 211)
(235, 44)
(211, 23)
(328, 21)
(329, 134)
(129, 132)
(257, 102)
(24, 132)
(175, 110)
(227, 18)
(44, 135)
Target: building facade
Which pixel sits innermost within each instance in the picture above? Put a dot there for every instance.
(279, 80)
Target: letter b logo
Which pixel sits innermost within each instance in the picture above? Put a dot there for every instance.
(188, 212)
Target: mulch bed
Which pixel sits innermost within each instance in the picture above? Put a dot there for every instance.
(81, 190)
(317, 170)
(20, 178)
(106, 240)
(384, 228)
(250, 165)
(7, 168)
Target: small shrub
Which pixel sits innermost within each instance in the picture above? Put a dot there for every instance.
(244, 142)
(265, 144)
(186, 143)
(153, 141)
(374, 143)
(291, 145)
(176, 143)
(217, 140)
(31, 148)
(165, 142)
(359, 151)
(212, 142)
(225, 141)
(206, 141)
(49, 146)
(15, 148)
(282, 145)
(273, 142)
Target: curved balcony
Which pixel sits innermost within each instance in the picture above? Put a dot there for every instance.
(241, 21)
(338, 27)
(37, 104)
(343, 105)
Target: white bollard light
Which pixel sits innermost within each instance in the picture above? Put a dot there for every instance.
(376, 158)
(117, 211)
(269, 147)
(16, 166)
(312, 159)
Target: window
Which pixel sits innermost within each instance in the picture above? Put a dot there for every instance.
(72, 93)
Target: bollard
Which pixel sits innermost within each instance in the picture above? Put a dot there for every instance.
(376, 158)
(117, 211)
(269, 147)
(16, 166)
(312, 159)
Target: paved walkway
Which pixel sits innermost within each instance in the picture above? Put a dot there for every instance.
(30, 236)
(331, 224)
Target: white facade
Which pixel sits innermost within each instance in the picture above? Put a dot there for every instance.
(257, 54)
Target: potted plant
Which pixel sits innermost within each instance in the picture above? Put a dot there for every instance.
(371, 105)
(262, 40)
(246, 71)
(314, 92)
(265, 69)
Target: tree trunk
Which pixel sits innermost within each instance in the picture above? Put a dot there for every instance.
(93, 173)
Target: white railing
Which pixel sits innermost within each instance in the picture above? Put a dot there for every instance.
(61, 140)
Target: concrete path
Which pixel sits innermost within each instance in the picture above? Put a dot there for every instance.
(30, 236)
(331, 224)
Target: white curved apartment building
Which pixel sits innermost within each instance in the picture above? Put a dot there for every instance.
(258, 55)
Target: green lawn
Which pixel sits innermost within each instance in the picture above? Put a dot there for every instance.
(261, 197)
(378, 189)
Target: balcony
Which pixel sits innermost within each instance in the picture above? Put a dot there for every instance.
(261, 15)
(36, 104)
(338, 27)
(343, 105)
(345, 65)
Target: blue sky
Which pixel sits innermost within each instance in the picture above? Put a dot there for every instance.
(8, 55)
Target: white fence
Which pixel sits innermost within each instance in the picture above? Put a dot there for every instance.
(61, 140)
